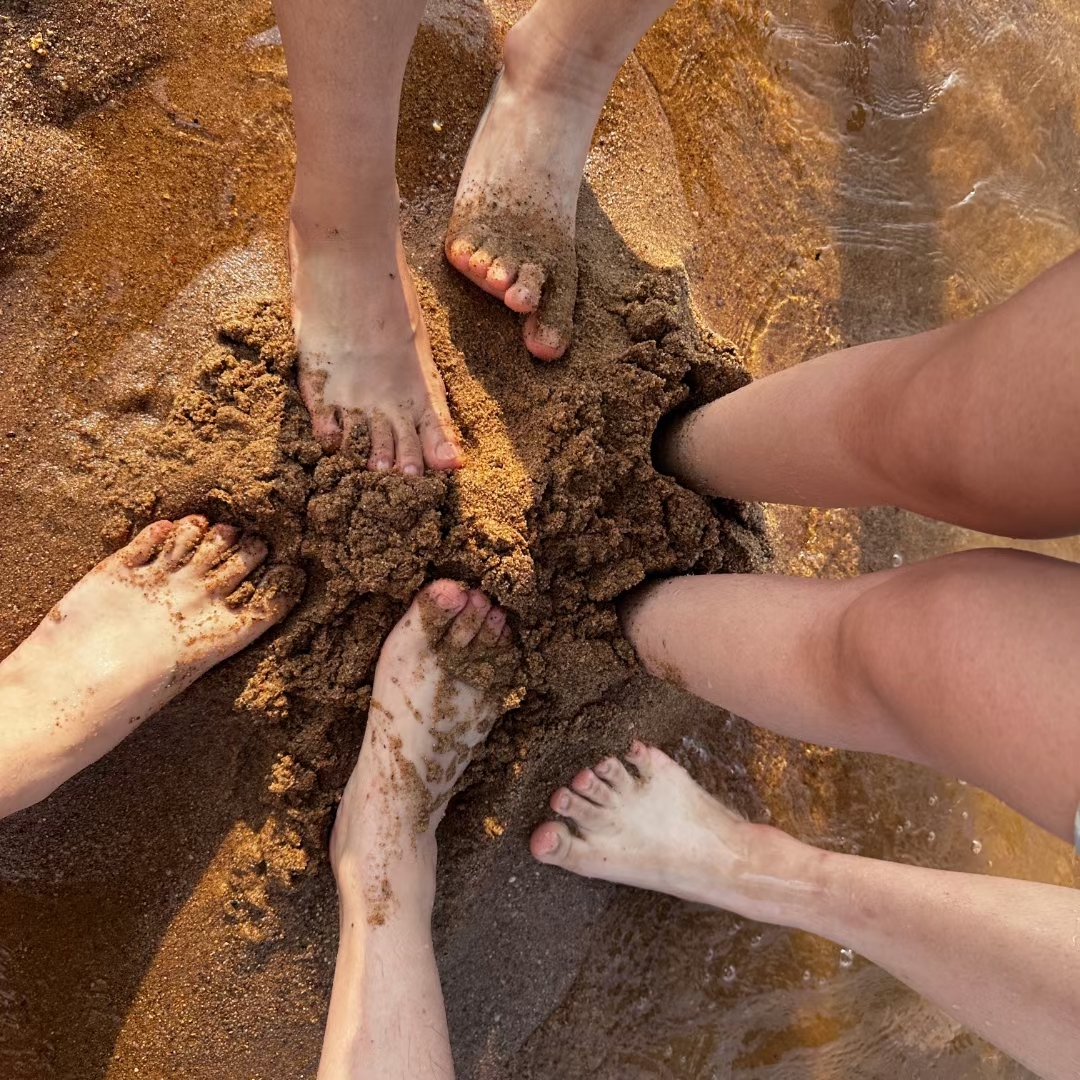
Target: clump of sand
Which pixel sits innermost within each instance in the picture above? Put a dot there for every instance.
(555, 515)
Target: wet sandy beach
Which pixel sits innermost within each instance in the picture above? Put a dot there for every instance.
(768, 182)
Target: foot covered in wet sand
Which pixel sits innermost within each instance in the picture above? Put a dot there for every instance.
(140, 627)
(365, 359)
(655, 828)
(440, 684)
(512, 229)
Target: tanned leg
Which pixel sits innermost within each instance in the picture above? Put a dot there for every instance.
(966, 663)
(974, 424)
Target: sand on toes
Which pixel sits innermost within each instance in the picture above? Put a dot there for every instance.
(446, 672)
(650, 826)
(512, 228)
(365, 363)
(135, 631)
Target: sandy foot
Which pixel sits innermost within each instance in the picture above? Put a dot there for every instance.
(512, 229)
(140, 627)
(365, 358)
(433, 701)
(657, 830)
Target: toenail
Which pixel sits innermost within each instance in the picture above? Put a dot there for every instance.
(564, 802)
(446, 451)
(602, 767)
(411, 470)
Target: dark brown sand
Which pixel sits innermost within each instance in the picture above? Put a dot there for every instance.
(170, 912)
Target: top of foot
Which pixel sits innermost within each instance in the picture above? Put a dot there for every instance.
(140, 627)
(445, 674)
(512, 229)
(365, 364)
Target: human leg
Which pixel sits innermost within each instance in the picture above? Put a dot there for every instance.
(999, 955)
(365, 358)
(973, 424)
(140, 627)
(512, 230)
(387, 1019)
(965, 663)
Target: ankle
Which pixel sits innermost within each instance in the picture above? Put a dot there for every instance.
(362, 218)
(538, 62)
(782, 880)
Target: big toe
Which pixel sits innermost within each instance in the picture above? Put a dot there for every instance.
(433, 610)
(439, 439)
(552, 843)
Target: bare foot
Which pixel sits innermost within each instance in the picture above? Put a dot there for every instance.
(657, 830)
(512, 230)
(365, 358)
(439, 687)
(140, 627)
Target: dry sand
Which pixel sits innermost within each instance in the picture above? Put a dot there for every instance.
(170, 913)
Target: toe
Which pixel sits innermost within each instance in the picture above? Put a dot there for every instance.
(543, 341)
(185, 538)
(217, 542)
(480, 264)
(439, 438)
(226, 579)
(144, 546)
(381, 433)
(614, 772)
(277, 594)
(491, 629)
(571, 805)
(553, 843)
(468, 622)
(525, 294)
(410, 454)
(590, 785)
(325, 424)
(460, 252)
(643, 758)
(503, 274)
(435, 607)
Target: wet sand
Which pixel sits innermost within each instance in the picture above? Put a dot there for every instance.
(170, 912)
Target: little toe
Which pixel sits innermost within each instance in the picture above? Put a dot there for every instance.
(614, 772)
(491, 629)
(325, 423)
(460, 251)
(226, 579)
(381, 433)
(146, 544)
(185, 538)
(545, 342)
(578, 809)
(436, 605)
(590, 785)
(410, 453)
(439, 438)
(503, 274)
(467, 624)
(553, 843)
(217, 542)
(277, 594)
(527, 291)
(643, 758)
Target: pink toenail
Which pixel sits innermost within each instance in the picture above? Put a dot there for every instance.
(446, 451)
(602, 767)
(564, 802)
(411, 470)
